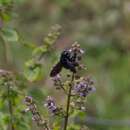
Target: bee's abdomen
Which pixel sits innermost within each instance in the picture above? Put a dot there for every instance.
(56, 69)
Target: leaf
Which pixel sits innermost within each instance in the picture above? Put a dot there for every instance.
(23, 126)
(9, 35)
(52, 36)
(56, 126)
(5, 17)
(40, 50)
(80, 114)
(29, 45)
(5, 1)
(33, 72)
(73, 127)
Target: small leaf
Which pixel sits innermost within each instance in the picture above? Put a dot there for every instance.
(33, 72)
(52, 36)
(56, 126)
(30, 63)
(9, 35)
(5, 2)
(80, 114)
(29, 45)
(5, 17)
(73, 127)
(40, 50)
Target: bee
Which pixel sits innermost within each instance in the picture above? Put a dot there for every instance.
(67, 61)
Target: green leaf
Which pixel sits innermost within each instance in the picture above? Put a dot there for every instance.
(56, 126)
(29, 45)
(5, 17)
(80, 114)
(52, 36)
(23, 126)
(73, 127)
(33, 72)
(40, 50)
(6, 2)
(9, 35)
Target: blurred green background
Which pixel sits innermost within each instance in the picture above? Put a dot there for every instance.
(102, 27)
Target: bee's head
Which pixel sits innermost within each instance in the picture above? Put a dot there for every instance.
(66, 53)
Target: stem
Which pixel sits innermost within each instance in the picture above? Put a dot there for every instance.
(47, 128)
(68, 104)
(6, 54)
(61, 85)
(4, 51)
(10, 110)
(10, 106)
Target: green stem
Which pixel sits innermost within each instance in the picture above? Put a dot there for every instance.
(4, 51)
(10, 110)
(68, 104)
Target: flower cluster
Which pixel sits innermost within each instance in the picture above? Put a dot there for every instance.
(74, 56)
(84, 87)
(76, 50)
(75, 87)
(7, 79)
(71, 59)
(51, 105)
(31, 106)
(57, 80)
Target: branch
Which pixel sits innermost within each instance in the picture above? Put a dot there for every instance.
(10, 109)
(68, 103)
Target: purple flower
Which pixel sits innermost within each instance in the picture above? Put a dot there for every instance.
(28, 100)
(50, 104)
(85, 87)
(76, 48)
(31, 106)
(57, 78)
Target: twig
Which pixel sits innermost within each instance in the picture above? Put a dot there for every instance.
(62, 87)
(68, 103)
(10, 109)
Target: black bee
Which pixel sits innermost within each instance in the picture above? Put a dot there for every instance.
(67, 60)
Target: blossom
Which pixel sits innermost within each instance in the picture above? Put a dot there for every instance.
(85, 87)
(76, 48)
(31, 106)
(57, 80)
(50, 104)
(28, 100)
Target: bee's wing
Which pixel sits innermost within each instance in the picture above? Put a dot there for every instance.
(56, 69)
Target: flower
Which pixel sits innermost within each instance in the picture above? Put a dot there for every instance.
(28, 100)
(50, 104)
(57, 80)
(76, 48)
(84, 87)
(31, 106)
